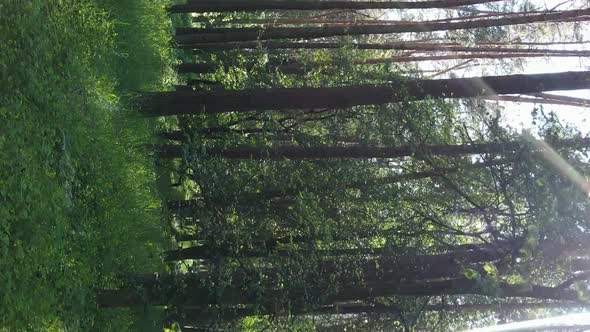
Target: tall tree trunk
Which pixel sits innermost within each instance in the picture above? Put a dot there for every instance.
(235, 313)
(388, 260)
(544, 101)
(203, 6)
(499, 307)
(192, 293)
(411, 58)
(328, 152)
(399, 46)
(252, 34)
(461, 286)
(277, 45)
(297, 21)
(196, 68)
(408, 24)
(170, 289)
(298, 68)
(310, 20)
(523, 43)
(300, 21)
(287, 99)
(565, 99)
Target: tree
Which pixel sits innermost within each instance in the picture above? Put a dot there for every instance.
(196, 68)
(400, 46)
(250, 34)
(232, 5)
(348, 192)
(286, 99)
(162, 290)
(300, 68)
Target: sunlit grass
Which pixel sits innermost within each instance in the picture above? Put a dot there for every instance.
(78, 205)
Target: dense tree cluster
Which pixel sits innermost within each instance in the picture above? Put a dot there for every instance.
(332, 182)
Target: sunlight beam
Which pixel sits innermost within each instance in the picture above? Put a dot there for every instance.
(553, 158)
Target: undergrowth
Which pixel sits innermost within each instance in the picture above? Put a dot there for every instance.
(78, 204)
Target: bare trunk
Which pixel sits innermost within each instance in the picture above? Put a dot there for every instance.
(320, 21)
(288, 99)
(203, 6)
(564, 99)
(231, 314)
(253, 34)
(398, 59)
(399, 46)
(544, 101)
(193, 294)
(298, 21)
(300, 68)
(457, 287)
(196, 68)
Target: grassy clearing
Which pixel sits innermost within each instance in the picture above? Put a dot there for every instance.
(78, 205)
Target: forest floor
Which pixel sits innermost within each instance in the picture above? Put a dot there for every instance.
(79, 205)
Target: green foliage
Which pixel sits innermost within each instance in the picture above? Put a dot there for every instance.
(77, 203)
(143, 55)
(302, 237)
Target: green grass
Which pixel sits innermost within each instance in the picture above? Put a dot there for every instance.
(78, 204)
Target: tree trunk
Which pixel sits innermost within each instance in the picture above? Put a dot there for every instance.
(235, 313)
(196, 68)
(565, 99)
(320, 21)
(327, 152)
(498, 307)
(411, 58)
(283, 99)
(300, 68)
(536, 43)
(544, 101)
(394, 46)
(460, 286)
(300, 21)
(170, 289)
(203, 6)
(277, 45)
(191, 293)
(253, 34)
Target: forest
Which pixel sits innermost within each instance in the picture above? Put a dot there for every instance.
(294, 165)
